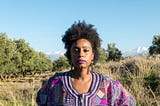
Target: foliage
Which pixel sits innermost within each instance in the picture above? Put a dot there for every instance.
(153, 80)
(17, 56)
(7, 53)
(155, 47)
(60, 64)
(114, 53)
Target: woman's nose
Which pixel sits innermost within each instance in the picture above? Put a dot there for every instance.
(81, 53)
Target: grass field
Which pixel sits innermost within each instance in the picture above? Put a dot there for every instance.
(139, 75)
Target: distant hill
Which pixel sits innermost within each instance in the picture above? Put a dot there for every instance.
(54, 55)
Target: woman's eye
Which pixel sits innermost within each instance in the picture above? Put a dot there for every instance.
(86, 50)
(76, 50)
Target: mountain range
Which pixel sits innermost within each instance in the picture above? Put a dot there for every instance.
(139, 51)
(54, 55)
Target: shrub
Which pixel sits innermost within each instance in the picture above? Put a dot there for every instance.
(153, 81)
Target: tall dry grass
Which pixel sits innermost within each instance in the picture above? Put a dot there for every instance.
(135, 74)
(18, 93)
(139, 75)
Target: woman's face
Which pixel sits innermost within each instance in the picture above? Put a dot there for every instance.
(81, 54)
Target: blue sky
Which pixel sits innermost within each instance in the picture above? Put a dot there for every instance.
(128, 23)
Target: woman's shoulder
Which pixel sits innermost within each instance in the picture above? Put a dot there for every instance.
(118, 92)
(46, 90)
(109, 82)
(105, 78)
(57, 77)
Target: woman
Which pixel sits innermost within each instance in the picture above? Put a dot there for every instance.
(82, 86)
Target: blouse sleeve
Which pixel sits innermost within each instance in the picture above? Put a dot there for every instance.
(122, 96)
(44, 94)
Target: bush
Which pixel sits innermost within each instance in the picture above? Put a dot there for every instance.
(153, 81)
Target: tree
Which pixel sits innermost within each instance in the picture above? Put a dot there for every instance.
(113, 53)
(155, 47)
(31, 60)
(25, 56)
(42, 62)
(17, 56)
(60, 64)
(7, 52)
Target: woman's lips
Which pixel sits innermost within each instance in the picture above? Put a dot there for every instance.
(81, 61)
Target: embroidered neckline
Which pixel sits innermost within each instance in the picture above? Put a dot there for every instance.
(96, 82)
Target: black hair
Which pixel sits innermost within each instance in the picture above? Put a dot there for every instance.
(78, 31)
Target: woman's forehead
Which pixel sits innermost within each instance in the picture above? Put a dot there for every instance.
(82, 43)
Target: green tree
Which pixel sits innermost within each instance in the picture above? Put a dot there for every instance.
(60, 64)
(155, 47)
(42, 62)
(17, 56)
(25, 54)
(7, 52)
(113, 53)
(31, 60)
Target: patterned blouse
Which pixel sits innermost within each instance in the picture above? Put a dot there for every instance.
(104, 91)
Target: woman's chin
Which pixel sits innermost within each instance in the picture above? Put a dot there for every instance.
(81, 66)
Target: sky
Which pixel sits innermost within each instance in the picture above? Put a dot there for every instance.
(41, 23)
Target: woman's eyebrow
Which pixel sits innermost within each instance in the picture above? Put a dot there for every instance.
(86, 47)
(82, 47)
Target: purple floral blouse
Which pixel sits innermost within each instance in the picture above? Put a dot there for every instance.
(104, 91)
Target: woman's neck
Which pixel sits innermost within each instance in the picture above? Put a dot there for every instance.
(83, 74)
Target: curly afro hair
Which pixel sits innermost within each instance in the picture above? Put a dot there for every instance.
(78, 31)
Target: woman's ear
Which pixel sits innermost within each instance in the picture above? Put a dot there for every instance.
(92, 57)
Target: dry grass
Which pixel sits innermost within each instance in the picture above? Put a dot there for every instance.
(18, 93)
(131, 72)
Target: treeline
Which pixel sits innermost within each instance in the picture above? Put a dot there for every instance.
(16, 56)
